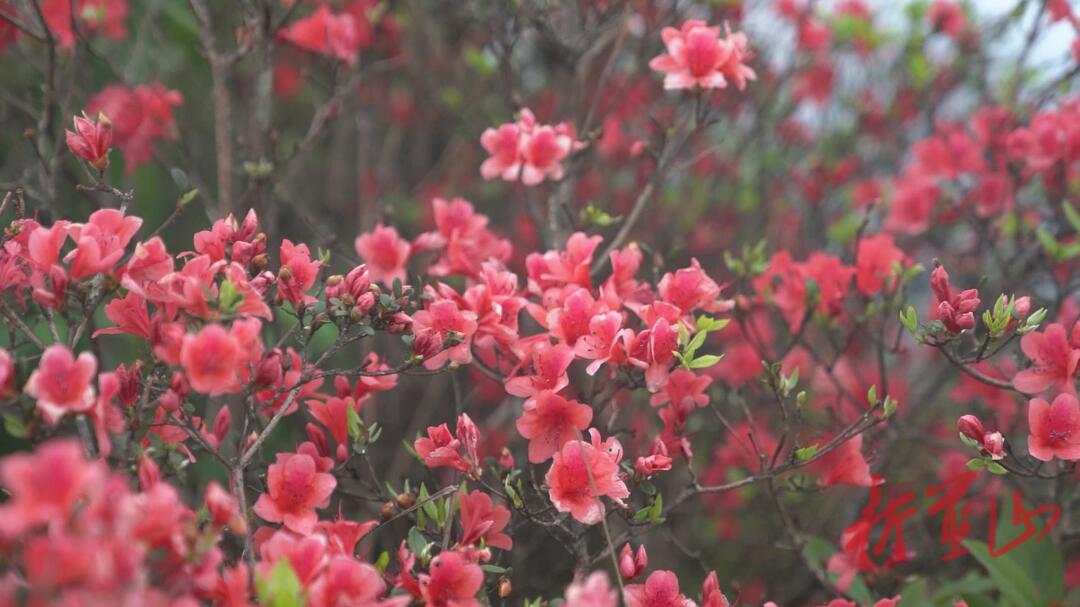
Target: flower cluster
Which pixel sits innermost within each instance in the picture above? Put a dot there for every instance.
(324, 378)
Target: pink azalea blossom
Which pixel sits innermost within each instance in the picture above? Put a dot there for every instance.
(698, 57)
(661, 589)
(62, 383)
(1055, 361)
(1055, 428)
(385, 253)
(549, 421)
(295, 489)
(577, 468)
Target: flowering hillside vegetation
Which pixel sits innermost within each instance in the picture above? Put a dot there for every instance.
(579, 303)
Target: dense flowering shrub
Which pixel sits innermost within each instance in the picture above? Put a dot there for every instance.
(647, 303)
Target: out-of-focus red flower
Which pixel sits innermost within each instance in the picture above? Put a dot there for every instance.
(845, 465)
(140, 117)
(875, 264)
(326, 33)
(385, 252)
(105, 17)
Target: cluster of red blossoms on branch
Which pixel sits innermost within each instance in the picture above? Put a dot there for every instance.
(209, 422)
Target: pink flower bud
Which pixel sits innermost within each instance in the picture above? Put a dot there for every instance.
(91, 140)
(632, 565)
(224, 509)
(993, 444)
(149, 473)
(971, 427)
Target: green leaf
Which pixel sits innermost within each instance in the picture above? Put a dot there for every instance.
(976, 465)
(180, 178)
(187, 197)
(642, 515)
(910, 319)
(1072, 215)
(598, 217)
(684, 336)
(354, 423)
(889, 407)
(703, 362)
(1049, 243)
(695, 343)
(1041, 560)
(228, 296)
(281, 588)
(1011, 580)
(710, 324)
(806, 453)
(417, 543)
(15, 426)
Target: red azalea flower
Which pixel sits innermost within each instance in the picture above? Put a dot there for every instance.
(874, 264)
(661, 589)
(698, 57)
(570, 487)
(140, 116)
(452, 581)
(61, 383)
(481, 519)
(594, 591)
(295, 489)
(297, 275)
(1055, 428)
(44, 486)
(385, 253)
(632, 565)
(549, 365)
(955, 310)
(91, 140)
(549, 421)
(845, 465)
(210, 359)
(324, 32)
(100, 242)
(1055, 361)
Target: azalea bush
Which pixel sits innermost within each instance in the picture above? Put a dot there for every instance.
(586, 303)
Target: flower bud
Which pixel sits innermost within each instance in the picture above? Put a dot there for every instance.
(971, 427)
(405, 500)
(91, 140)
(149, 473)
(356, 314)
(993, 444)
